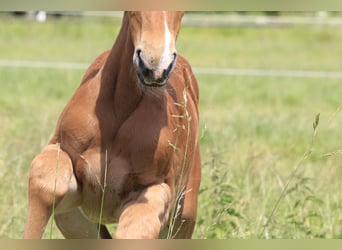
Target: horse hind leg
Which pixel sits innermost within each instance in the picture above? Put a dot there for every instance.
(50, 178)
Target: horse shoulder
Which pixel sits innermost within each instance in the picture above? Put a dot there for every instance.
(78, 124)
(184, 70)
(183, 113)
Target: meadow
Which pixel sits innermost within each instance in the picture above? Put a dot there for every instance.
(271, 168)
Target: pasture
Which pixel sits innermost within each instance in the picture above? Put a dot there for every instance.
(267, 173)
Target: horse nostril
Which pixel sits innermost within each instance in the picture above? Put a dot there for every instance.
(143, 68)
(140, 60)
(168, 70)
(174, 56)
(139, 53)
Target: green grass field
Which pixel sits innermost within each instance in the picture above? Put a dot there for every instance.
(266, 174)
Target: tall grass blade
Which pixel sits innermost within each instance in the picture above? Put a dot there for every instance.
(103, 195)
(292, 175)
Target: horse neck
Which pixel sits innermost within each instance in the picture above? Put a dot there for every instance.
(119, 82)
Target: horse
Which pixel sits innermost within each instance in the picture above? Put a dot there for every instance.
(125, 149)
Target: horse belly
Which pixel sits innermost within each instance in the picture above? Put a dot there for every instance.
(100, 201)
(100, 206)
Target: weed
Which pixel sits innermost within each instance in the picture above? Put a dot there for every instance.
(180, 189)
(103, 189)
(286, 189)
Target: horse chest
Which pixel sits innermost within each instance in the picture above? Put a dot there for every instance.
(110, 176)
(144, 160)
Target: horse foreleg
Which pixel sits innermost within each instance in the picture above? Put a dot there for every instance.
(144, 217)
(185, 222)
(50, 175)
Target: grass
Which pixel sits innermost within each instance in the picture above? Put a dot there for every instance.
(254, 130)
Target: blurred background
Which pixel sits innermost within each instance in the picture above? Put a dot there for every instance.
(271, 169)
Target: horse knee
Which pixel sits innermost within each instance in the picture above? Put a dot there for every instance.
(50, 174)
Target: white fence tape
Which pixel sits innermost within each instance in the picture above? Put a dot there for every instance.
(197, 70)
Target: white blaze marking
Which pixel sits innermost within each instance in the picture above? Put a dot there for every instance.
(166, 57)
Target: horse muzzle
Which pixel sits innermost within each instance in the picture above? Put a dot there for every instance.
(152, 72)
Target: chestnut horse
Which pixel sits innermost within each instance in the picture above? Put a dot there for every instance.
(125, 149)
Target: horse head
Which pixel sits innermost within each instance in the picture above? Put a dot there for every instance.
(154, 35)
